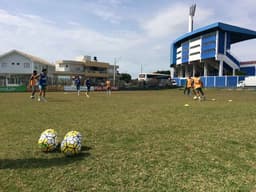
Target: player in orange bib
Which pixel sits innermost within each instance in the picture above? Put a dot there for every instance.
(33, 83)
(198, 85)
(188, 85)
(108, 87)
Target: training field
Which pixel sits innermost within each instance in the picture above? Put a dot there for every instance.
(132, 141)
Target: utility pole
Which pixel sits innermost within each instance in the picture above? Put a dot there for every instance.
(114, 77)
(114, 74)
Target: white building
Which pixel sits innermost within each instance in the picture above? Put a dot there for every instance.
(16, 67)
(85, 67)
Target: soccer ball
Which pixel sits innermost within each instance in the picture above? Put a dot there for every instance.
(48, 140)
(74, 134)
(195, 97)
(71, 144)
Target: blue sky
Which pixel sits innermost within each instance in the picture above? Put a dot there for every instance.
(136, 32)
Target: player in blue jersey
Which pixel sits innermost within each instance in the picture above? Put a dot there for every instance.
(42, 84)
(78, 84)
(88, 85)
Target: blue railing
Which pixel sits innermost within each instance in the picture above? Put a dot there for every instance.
(232, 58)
(215, 81)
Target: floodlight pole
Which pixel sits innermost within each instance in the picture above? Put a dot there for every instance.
(114, 74)
(192, 11)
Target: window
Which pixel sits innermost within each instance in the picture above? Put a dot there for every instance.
(26, 65)
(13, 63)
(66, 66)
(61, 65)
(141, 75)
(17, 63)
(195, 53)
(194, 46)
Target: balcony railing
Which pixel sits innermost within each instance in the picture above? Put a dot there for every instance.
(232, 58)
(96, 73)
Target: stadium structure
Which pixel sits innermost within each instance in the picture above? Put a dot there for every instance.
(207, 51)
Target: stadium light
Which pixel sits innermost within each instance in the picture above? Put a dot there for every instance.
(192, 11)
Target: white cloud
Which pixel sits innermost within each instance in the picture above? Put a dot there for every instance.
(242, 17)
(107, 15)
(242, 14)
(106, 10)
(147, 45)
(172, 21)
(43, 38)
(112, 3)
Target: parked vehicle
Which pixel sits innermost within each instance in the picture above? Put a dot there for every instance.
(249, 81)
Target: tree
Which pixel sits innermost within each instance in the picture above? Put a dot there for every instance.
(241, 73)
(125, 77)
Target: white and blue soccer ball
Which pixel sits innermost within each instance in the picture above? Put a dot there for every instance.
(71, 144)
(48, 140)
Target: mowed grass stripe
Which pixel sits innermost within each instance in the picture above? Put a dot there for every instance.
(133, 141)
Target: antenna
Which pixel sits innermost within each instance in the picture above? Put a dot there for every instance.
(192, 10)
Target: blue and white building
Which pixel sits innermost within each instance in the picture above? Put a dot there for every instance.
(207, 50)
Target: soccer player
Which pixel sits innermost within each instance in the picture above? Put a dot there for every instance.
(108, 87)
(42, 85)
(33, 83)
(78, 84)
(88, 85)
(198, 85)
(188, 85)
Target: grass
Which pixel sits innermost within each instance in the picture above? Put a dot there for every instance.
(132, 141)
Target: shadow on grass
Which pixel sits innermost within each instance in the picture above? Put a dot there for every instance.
(86, 148)
(31, 163)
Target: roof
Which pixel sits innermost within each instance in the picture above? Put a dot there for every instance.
(248, 63)
(31, 57)
(86, 63)
(74, 62)
(237, 33)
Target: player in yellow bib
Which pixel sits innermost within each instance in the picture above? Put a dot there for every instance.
(188, 85)
(198, 85)
(108, 87)
(33, 83)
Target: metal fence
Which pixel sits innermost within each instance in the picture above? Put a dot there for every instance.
(215, 81)
(58, 83)
(21, 80)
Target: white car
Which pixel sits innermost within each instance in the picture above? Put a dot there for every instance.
(241, 84)
(173, 82)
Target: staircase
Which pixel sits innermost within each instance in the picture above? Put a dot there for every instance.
(229, 59)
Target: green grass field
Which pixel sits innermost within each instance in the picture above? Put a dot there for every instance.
(132, 141)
